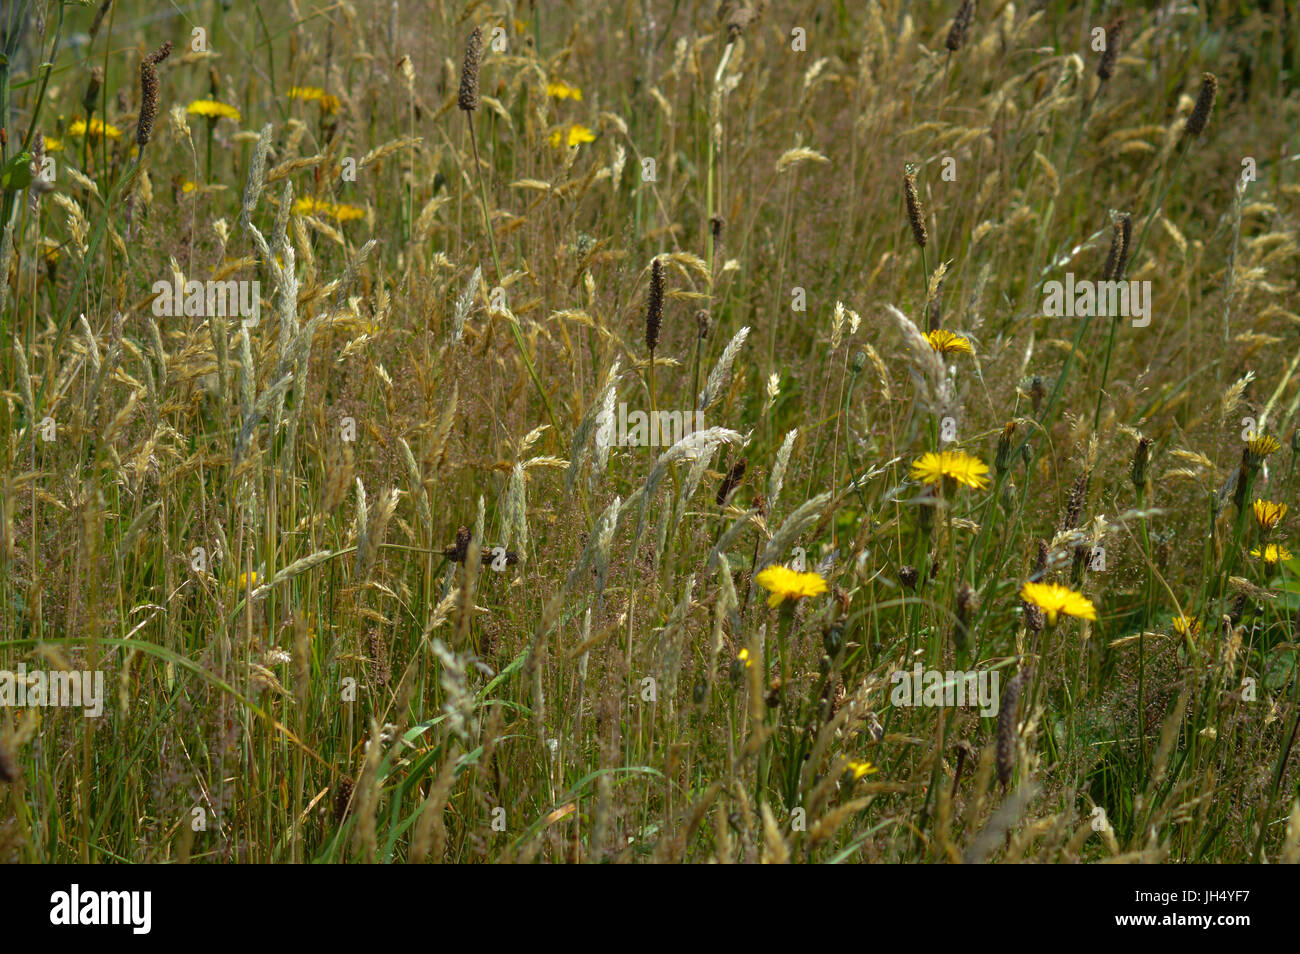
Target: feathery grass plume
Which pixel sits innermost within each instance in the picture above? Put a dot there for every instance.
(934, 384)
(688, 448)
(464, 303)
(654, 309)
(803, 517)
(1111, 270)
(256, 173)
(459, 704)
(777, 480)
(1007, 735)
(467, 98)
(516, 522)
(598, 421)
(720, 376)
(915, 212)
(960, 24)
(149, 93)
(1200, 116)
(1106, 68)
(735, 474)
(668, 654)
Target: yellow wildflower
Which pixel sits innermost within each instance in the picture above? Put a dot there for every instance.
(786, 584)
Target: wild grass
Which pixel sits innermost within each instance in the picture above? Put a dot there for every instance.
(370, 579)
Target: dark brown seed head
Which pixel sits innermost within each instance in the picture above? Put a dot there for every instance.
(654, 311)
(1121, 228)
(149, 93)
(729, 483)
(960, 24)
(1204, 105)
(715, 225)
(1126, 239)
(458, 550)
(915, 214)
(342, 800)
(1006, 750)
(909, 576)
(468, 96)
(1106, 68)
(8, 763)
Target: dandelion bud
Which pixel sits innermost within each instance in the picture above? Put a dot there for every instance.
(859, 361)
(468, 96)
(702, 323)
(1204, 105)
(1140, 460)
(1002, 459)
(93, 86)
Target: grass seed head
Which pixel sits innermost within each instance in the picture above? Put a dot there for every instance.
(468, 96)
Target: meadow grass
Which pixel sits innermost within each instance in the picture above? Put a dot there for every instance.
(373, 578)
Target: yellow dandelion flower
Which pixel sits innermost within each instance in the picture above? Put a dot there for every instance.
(189, 186)
(212, 109)
(1268, 514)
(315, 94)
(933, 468)
(53, 144)
(946, 342)
(1054, 599)
(97, 130)
(1259, 447)
(247, 580)
(562, 90)
(743, 657)
(859, 769)
(340, 211)
(1273, 554)
(1184, 626)
(786, 584)
(576, 134)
